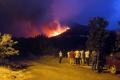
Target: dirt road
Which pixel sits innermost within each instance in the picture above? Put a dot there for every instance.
(48, 68)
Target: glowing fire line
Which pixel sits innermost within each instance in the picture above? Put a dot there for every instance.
(59, 31)
(54, 30)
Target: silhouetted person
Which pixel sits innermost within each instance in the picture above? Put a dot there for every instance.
(94, 60)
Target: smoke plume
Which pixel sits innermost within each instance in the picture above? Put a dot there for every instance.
(23, 17)
(27, 17)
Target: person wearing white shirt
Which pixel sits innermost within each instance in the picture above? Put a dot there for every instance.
(60, 56)
(82, 55)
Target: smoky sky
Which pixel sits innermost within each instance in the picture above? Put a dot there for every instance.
(22, 17)
(18, 17)
(82, 10)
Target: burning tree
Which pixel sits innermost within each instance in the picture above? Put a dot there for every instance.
(6, 47)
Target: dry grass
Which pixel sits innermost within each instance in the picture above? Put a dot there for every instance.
(8, 74)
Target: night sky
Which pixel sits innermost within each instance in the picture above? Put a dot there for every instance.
(23, 17)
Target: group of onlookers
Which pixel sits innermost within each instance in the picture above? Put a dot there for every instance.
(78, 57)
(81, 57)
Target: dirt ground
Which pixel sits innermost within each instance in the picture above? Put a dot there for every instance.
(48, 68)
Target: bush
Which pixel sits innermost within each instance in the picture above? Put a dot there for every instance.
(6, 47)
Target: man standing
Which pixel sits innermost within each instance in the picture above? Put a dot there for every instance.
(77, 57)
(82, 53)
(87, 55)
(68, 56)
(72, 57)
(94, 60)
(60, 56)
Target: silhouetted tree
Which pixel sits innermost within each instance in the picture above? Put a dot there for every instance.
(110, 44)
(119, 23)
(117, 44)
(97, 37)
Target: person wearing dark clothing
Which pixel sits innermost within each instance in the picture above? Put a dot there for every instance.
(94, 60)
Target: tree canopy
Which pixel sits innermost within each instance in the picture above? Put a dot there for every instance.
(6, 46)
(97, 33)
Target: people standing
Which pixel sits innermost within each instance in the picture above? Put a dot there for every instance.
(77, 57)
(94, 60)
(87, 55)
(60, 56)
(82, 55)
(68, 56)
(72, 57)
(92, 57)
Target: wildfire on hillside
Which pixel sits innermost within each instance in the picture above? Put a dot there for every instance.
(50, 29)
(54, 29)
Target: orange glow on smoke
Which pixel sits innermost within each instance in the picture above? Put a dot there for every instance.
(33, 32)
(51, 29)
(54, 29)
(25, 28)
(30, 30)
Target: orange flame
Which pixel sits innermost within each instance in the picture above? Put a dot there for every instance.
(50, 30)
(54, 29)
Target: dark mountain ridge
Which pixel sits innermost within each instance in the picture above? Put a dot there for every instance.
(74, 38)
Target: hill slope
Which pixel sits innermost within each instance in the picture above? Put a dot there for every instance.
(75, 38)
